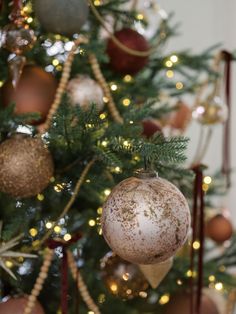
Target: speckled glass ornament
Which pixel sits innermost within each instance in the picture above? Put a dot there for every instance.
(17, 306)
(122, 278)
(18, 38)
(85, 92)
(145, 219)
(212, 111)
(26, 166)
(65, 17)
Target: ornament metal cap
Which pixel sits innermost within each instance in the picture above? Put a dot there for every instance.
(145, 173)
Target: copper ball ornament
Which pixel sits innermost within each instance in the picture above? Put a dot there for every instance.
(212, 111)
(34, 92)
(150, 127)
(17, 306)
(180, 304)
(122, 278)
(219, 228)
(181, 117)
(123, 62)
(64, 17)
(84, 91)
(26, 166)
(145, 219)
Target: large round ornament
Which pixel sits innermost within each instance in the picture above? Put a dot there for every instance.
(145, 219)
(212, 111)
(65, 17)
(123, 62)
(17, 306)
(35, 92)
(84, 91)
(122, 278)
(219, 228)
(180, 304)
(26, 166)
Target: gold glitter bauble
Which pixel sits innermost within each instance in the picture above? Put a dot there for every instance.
(26, 166)
(210, 112)
(122, 278)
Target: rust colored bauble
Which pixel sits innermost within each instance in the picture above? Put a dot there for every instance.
(34, 92)
(17, 306)
(150, 127)
(180, 304)
(123, 62)
(181, 118)
(122, 278)
(26, 166)
(219, 229)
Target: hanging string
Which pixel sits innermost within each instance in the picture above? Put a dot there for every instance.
(226, 164)
(102, 81)
(81, 285)
(119, 44)
(197, 235)
(62, 85)
(39, 281)
(53, 244)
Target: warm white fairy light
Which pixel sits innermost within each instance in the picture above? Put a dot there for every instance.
(179, 85)
(67, 237)
(164, 299)
(170, 74)
(92, 222)
(196, 245)
(126, 102)
(127, 78)
(40, 197)
(107, 192)
(207, 180)
(48, 225)
(114, 87)
(33, 232)
(174, 58)
(57, 229)
(219, 286)
(169, 64)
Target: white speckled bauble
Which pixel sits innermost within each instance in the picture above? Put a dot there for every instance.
(145, 219)
(85, 91)
(65, 17)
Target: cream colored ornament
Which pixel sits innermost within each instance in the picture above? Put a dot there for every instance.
(85, 91)
(155, 273)
(145, 219)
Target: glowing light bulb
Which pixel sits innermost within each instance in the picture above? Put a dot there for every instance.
(92, 222)
(33, 232)
(164, 299)
(174, 58)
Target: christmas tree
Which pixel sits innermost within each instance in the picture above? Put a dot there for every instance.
(91, 110)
